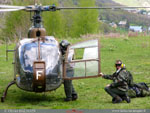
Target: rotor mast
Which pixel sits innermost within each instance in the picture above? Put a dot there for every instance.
(37, 20)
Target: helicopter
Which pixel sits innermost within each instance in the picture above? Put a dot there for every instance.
(39, 65)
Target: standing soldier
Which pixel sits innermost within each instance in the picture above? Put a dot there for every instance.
(68, 86)
(118, 89)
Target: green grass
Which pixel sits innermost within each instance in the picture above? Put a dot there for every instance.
(134, 52)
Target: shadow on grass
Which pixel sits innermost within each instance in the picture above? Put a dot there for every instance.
(22, 98)
(36, 97)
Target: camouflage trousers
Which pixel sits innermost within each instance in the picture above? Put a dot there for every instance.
(115, 92)
(69, 89)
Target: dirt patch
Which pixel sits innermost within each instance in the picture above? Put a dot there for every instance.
(112, 35)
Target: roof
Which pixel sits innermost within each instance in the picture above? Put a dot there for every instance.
(122, 22)
(136, 28)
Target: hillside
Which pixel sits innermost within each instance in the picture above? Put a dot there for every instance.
(134, 2)
(118, 15)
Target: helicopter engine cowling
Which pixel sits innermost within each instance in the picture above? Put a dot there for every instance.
(28, 66)
(36, 32)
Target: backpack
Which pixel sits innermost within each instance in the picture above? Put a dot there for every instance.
(142, 86)
(130, 79)
(139, 90)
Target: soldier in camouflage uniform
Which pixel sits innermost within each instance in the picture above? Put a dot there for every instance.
(118, 89)
(68, 86)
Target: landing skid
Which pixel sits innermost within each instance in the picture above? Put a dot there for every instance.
(5, 92)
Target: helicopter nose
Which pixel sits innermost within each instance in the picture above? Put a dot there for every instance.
(39, 76)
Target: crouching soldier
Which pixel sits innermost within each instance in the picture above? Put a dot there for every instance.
(118, 89)
(68, 86)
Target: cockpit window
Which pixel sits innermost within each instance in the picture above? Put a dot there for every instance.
(49, 52)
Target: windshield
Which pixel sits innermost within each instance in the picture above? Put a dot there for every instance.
(49, 52)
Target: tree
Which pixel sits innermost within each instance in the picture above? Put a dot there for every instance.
(53, 21)
(85, 21)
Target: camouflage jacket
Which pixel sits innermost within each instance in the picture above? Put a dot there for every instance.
(130, 80)
(120, 78)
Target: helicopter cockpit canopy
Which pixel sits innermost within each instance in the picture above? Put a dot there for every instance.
(49, 52)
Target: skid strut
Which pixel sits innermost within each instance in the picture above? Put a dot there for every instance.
(5, 92)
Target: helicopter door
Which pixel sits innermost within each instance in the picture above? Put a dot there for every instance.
(82, 60)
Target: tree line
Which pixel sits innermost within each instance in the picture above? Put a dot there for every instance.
(61, 24)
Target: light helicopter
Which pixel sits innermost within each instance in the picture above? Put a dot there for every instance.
(39, 65)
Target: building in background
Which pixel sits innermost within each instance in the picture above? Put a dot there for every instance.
(136, 29)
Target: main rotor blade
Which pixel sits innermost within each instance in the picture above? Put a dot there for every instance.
(111, 7)
(8, 10)
(12, 7)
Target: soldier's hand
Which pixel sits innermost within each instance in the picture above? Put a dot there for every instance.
(101, 74)
(108, 85)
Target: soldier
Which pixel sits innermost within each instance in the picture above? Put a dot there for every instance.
(118, 89)
(70, 92)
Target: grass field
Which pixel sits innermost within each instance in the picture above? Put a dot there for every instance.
(134, 52)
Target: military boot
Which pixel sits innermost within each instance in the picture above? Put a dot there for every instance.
(74, 96)
(117, 100)
(67, 99)
(113, 99)
(126, 98)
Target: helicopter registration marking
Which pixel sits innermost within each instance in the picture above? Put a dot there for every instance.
(38, 74)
